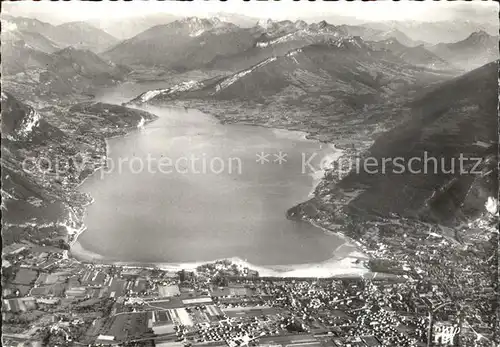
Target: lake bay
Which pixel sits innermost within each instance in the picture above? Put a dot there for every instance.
(210, 191)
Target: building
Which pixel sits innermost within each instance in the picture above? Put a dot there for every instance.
(445, 333)
(19, 304)
(14, 248)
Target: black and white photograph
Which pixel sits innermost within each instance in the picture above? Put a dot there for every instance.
(250, 173)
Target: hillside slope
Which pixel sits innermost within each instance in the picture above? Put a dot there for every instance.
(31, 39)
(43, 163)
(56, 77)
(449, 120)
(417, 55)
(135, 25)
(183, 44)
(80, 35)
(340, 89)
(477, 49)
(436, 32)
(274, 39)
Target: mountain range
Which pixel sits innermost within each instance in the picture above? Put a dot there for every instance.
(135, 25)
(41, 195)
(341, 65)
(77, 34)
(68, 72)
(183, 44)
(447, 120)
(276, 39)
(402, 119)
(34, 40)
(337, 82)
(438, 31)
(217, 44)
(209, 43)
(393, 34)
(476, 50)
(328, 89)
(417, 55)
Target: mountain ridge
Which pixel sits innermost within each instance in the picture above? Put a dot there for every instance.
(182, 44)
(476, 50)
(447, 120)
(77, 34)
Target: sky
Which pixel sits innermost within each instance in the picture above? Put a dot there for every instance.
(381, 10)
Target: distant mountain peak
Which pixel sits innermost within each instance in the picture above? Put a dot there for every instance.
(77, 24)
(285, 31)
(350, 42)
(8, 26)
(392, 40)
(476, 50)
(201, 21)
(480, 36)
(322, 24)
(396, 31)
(197, 26)
(398, 35)
(480, 33)
(300, 24)
(265, 23)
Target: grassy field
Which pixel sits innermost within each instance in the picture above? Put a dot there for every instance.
(25, 277)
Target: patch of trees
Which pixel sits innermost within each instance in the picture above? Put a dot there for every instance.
(220, 281)
(295, 326)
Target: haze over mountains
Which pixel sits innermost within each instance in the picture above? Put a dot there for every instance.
(477, 49)
(77, 34)
(438, 31)
(417, 55)
(49, 61)
(135, 25)
(216, 43)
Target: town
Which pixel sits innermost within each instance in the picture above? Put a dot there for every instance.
(415, 296)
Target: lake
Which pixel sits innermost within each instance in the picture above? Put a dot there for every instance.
(186, 188)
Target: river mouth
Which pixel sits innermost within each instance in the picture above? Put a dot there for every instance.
(187, 189)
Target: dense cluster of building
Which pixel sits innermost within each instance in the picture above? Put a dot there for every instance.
(427, 287)
(50, 299)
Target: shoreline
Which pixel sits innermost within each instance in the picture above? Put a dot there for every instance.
(350, 265)
(77, 227)
(318, 176)
(345, 266)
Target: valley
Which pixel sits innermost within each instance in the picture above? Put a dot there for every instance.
(81, 96)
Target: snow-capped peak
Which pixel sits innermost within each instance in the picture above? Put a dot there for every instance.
(265, 23)
(197, 26)
(287, 31)
(300, 24)
(8, 26)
